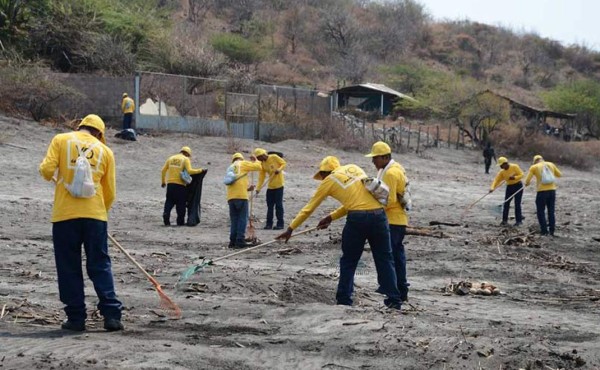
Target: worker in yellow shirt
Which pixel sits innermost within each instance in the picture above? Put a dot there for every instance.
(366, 220)
(171, 178)
(545, 176)
(511, 174)
(394, 176)
(128, 107)
(237, 199)
(77, 220)
(272, 166)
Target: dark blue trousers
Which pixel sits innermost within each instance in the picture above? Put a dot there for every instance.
(510, 190)
(68, 236)
(176, 197)
(397, 233)
(546, 200)
(127, 118)
(360, 227)
(238, 214)
(275, 200)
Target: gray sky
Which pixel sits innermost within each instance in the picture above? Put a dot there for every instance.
(568, 21)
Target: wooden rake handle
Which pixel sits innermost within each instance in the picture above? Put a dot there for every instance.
(150, 277)
(260, 245)
(512, 196)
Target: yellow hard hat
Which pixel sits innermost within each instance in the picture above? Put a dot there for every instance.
(259, 151)
(328, 164)
(237, 156)
(186, 149)
(379, 148)
(502, 160)
(125, 94)
(94, 121)
(537, 157)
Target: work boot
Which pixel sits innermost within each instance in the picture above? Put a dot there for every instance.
(113, 325)
(278, 228)
(73, 325)
(517, 224)
(268, 227)
(393, 306)
(503, 223)
(231, 245)
(166, 221)
(241, 245)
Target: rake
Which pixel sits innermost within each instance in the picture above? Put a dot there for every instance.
(165, 302)
(208, 262)
(250, 231)
(477, 201)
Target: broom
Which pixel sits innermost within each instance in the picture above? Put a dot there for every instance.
(193, 269)
(250, 231)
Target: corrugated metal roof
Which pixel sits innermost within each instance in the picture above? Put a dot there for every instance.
(381, 88)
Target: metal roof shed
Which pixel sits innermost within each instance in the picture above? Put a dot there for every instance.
(368, 97)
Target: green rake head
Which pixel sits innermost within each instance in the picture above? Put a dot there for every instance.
(192, 270)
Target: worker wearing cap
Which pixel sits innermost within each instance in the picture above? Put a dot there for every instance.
(511, 174)
(546, 192)
(176, 191)
(128, 107)
(272, 165)
(237, 199)
(366, 220)
(77, 221)
(394, 176)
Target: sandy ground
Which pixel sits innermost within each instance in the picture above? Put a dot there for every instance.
(269, 309)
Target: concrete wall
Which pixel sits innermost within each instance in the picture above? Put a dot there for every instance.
(100, 95)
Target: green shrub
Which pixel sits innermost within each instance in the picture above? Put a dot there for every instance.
(237, 48)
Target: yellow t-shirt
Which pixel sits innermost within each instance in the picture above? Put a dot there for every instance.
(345, 185)
(504, 175)
(127, 105)
(536, 170)
(239, 189)
(273, 163)
(395, 179)
(173, 167)
(62, 154)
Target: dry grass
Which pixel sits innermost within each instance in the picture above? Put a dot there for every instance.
(516, 142)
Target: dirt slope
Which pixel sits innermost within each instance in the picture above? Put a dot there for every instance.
(270, 310)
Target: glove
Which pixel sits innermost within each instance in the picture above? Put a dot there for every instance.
(163, 185)
(324, 223)
(285, 235)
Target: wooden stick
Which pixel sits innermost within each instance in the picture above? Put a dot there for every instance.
(14, 146)
(260, 245)
(478, 200)
(512, 196)
(150, 277)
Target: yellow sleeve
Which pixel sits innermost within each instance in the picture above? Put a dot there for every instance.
(187, 165)
(557, 173)
(281, 162)
(50, 162)
(109, 183)
(164, 172)
(320, 195)
(339, 213)
(261, 179)
(519, 174)
(248, 166)
(123, 105)
(497, 181)
(529, 176)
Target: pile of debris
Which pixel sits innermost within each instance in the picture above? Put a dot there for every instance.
(474, 288)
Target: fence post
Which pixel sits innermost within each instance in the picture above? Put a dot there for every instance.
(400, 136)
(437, 136)
(458, 137)
(225, 110)
(136, 95)
(449, 132)
(257, 127)
(409, 132)
(418, 139)
(364, 132)
(427, 136)
(373, 130)
(384, 135)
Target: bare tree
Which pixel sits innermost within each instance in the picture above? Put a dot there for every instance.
(198, 9)
(294, 26)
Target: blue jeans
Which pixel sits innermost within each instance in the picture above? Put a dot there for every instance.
(510, 190)
(275, 200)
(68, 236)
(543, 200)
(176, 196)
(127, 118)
(238, 214)
(360, 227)
(397, 233)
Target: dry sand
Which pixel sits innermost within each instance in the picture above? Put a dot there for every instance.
(268, 310)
